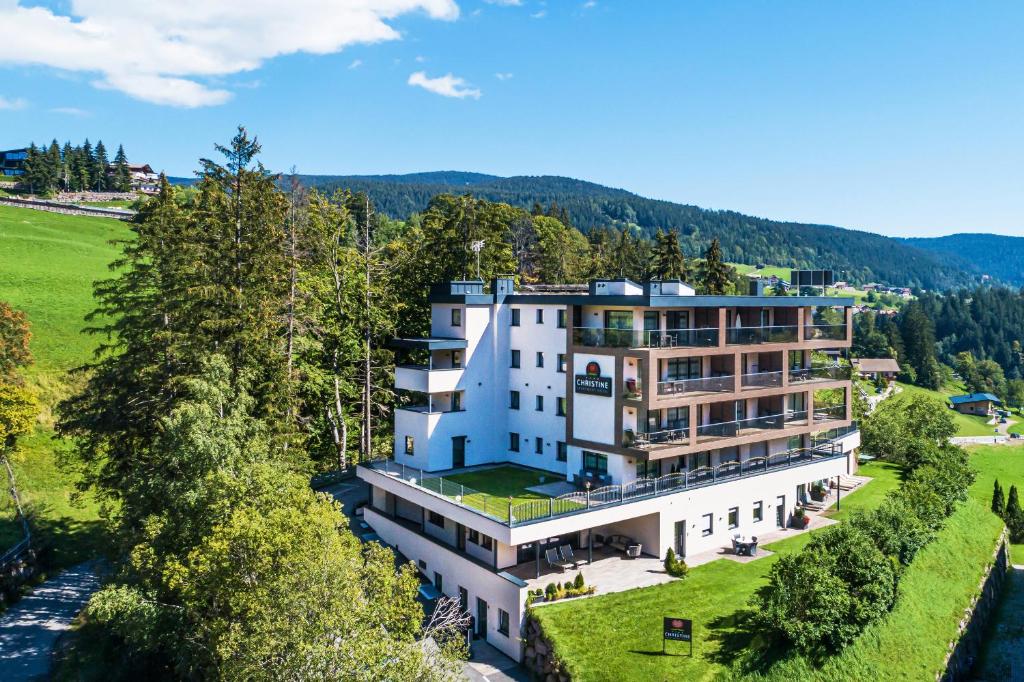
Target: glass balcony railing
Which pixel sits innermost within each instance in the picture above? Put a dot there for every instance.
(830, 332)
(739, 427)
(722, 384)
(834, 373)
(756, 335)
(829, 413)
(680, 434)
(761, 380)
(630, 338)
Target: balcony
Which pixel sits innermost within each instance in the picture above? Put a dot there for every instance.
(742, 427)
(632, 389)
(513, 514)
(761, 380)
(829, 413)
(678, 435)
(807, 375)
(426, 379)
(750, 336)
(602, 337)
(721, 384)
(825, 332)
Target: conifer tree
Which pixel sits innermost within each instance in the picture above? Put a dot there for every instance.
(1013, 509)
(99, 167)
(122, 176)
(715, 272)
(669, 261)
(998, 499)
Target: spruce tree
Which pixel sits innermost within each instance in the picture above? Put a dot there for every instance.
(99, 167)
(669, 262)
(122, 175)
(85, 166)
(918, 334)
(716, 272)
(998, 499)
(1013, 509)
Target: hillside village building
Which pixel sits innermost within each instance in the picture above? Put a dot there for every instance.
(659, 419)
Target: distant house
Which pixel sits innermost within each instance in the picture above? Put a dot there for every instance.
(143, 178)
(975, 403)
(872, 368)
(12, 161)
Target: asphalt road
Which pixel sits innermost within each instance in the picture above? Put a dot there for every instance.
(29, 629)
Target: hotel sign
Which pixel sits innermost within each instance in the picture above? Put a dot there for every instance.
(592, 383)
(678, 629)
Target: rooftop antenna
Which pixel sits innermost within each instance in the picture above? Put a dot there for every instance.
(477, 247)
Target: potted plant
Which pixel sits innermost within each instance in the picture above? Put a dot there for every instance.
(818, 492)
(800, 518)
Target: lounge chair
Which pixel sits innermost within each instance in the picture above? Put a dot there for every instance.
(555, 561)
(567, 555)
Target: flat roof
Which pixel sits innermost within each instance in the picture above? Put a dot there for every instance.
(434, 343)
(649, 301)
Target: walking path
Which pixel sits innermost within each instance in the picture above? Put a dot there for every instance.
(29, 629)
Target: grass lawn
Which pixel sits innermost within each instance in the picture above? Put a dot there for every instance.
(966, 424)
(618, 636)
(49, 264)
(117, 203)
(1005, 462)
(495, 486)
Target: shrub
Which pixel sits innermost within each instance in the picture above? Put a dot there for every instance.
(674, 566)
(823, 597)
(550, 591)
(578, 582)
(926, 504)
(895, 528)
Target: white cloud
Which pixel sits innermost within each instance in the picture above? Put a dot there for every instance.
(12, 104)
(356, 63)
(447, 85)
(539, 15)
(503, 76)
(70, 111)
(166, 52)
(420, 59)
(506, 3)
(589, 3)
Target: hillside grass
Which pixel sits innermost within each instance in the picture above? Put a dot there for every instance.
(966, 424)
(50, 262)
(618, 636)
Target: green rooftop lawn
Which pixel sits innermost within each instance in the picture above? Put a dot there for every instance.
(618, 636)
(494, 487)
(966, 424)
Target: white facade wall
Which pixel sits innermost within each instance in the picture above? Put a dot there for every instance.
(593, 416)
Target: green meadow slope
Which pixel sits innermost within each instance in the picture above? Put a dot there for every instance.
(48, 263)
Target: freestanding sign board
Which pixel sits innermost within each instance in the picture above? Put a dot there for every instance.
(677, 629)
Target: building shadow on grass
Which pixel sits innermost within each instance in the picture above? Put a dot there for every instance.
(742, 644)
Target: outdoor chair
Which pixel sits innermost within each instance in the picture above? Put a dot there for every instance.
(567, 555)
(555, 561)
(633, 551)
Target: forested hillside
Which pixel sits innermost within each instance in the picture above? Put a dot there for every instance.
(995, 255)
(858, 256)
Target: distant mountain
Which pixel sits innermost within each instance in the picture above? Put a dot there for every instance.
(995, 255)
(857, 256)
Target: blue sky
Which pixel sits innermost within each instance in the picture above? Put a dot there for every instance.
(899, 118)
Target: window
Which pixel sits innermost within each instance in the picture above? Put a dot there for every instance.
(513, 442)
(463, 599)
(474, 536)
(540, 403)
(486, 542)
(515, 317)
(677, 418)
(707, 524)
(560, 318)
(456, 402)
(439, 581)
(560, 405)
(540, 359)
(515, 358)
(734, 517)
(513, 400)
(594, 462)
(456, 359)
(456, 317)
(408, 445)
(540, 316)
(618, 319)
(435, 518)
(647, 470)
(503, 622)
(561, 451)
(561, 363)
(422, 564)
(758, 511)
(538, 445)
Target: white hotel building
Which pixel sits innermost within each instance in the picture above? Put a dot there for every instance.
(672, 419)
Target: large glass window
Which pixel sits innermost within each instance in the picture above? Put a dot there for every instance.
(618, 319)
(677, 369)
(677, 417)
(595, 463)
(652, 322)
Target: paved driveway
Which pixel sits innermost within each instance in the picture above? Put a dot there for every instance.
(29, 629)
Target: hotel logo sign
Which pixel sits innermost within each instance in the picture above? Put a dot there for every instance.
(592, 383)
